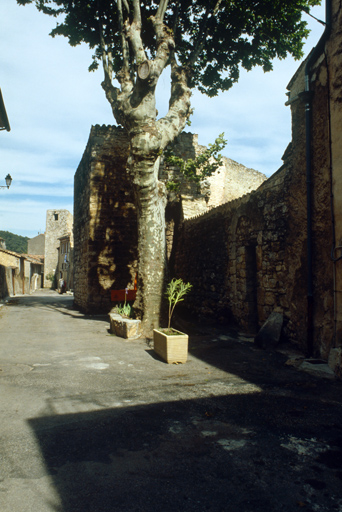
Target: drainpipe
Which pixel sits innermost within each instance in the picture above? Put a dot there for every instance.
(316, 52)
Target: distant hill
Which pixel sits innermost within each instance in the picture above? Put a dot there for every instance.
(15, 243)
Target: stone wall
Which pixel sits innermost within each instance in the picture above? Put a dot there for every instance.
(105, 255)
(330, 76)
(230, 181)
(105, 250)
(235, 257)
(252, 259)
(36, 245)
(254, 251)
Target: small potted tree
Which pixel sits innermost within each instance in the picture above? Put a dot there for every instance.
(172, 345)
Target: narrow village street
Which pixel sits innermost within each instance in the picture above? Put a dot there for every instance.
(95, 423)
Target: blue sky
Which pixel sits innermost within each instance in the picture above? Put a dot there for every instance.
(52, 101)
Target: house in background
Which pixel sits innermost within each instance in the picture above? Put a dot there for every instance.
(19, 273)
(65, 266)
(36, 245)
(55, 248)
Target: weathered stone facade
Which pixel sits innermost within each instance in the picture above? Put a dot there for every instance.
(58, 223)
(329, 75)
(65, 265)
(254, 251)
(105, 223)
(230, 181)
(105, 226)
(19, 273)
(238, 273)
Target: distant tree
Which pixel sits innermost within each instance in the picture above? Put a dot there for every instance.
(205, 42)
(15, 243)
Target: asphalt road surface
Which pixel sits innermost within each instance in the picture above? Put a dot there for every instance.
(95, 423)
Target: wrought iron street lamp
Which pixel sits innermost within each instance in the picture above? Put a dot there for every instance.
(8, 181)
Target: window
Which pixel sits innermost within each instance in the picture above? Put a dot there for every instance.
(56, 216)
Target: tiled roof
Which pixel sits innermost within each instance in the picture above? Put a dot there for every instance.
(33, 259)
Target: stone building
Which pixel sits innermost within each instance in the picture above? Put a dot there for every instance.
(280, 247)
(65, 267)
(105, 225)
(19, 273)
(58, 223)
(104, 221)
(36, 245)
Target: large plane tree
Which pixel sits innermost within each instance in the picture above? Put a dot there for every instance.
(205, 43)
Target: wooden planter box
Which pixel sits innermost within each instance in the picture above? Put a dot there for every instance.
(172, 349)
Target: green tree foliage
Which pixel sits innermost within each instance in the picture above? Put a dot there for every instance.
(212, 38)
(15, 243)
(175, 293)
(195, 169)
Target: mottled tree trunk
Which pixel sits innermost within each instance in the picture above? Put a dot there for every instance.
(134, 107)
(150, 195)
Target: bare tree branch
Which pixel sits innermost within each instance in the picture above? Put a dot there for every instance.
(106, 63)
(126, 5)
(162, 9)
(175, 21)
(124, 43)
(133, 32)
(180, 105)
(137, 12)
(165, 44)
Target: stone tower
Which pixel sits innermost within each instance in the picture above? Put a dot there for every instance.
(58, 223)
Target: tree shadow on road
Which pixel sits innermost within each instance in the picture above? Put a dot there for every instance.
(249, 452)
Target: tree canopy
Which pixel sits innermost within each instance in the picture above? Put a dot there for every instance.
(15, 243)
(212, 38)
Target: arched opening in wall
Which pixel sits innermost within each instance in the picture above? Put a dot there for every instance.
(252, 287)
(247, 275)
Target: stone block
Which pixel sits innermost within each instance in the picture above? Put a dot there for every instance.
(335, 359)
(269, 298)
(124, 327)
(269, 335)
